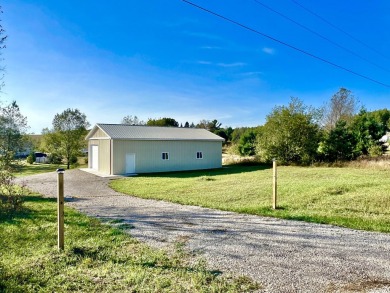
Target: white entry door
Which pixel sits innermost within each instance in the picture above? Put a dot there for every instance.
(95, 157)
(130, 163)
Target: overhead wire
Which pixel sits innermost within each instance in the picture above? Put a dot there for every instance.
(286, 44)
(320, 35)
(339, 29)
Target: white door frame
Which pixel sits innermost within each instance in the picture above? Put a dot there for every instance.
(95, 157)
(130, 163)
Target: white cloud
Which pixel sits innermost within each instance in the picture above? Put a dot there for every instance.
(204, 62)
(210, 47)
(235, 64)
(252, 73)
(221, 64)
(269, 51)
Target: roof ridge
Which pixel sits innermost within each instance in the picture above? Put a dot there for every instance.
(145, 132)
(156, 126)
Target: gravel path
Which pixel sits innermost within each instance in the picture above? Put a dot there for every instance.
(284, 256)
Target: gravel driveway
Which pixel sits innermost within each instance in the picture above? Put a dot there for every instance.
(284, 256)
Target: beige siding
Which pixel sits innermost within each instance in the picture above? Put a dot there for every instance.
(104, 154)
(99, 133)
(182, 155)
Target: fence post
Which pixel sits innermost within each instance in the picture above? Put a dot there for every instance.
(275, 185)
(60, 208)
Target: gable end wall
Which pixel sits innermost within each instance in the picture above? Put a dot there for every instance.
(104, 154)
(99, 133)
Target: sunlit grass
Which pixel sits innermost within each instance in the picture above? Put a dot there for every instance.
(36, 168)
(350, 197)
(97, 258)
(25, 169)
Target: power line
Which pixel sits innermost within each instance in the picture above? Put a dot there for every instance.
(339, 29)
(320, 35)
(285, 44)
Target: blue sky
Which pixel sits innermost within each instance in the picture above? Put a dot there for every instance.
(168, 59)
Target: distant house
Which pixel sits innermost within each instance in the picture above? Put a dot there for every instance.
(124, 149)
(31, 143)
(385, 140)
(40, 157)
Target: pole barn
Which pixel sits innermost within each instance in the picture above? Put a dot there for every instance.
(117, 149)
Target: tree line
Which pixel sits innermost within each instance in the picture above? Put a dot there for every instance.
(300, 134)
(296, 133)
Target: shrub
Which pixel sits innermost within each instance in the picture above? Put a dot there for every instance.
(7, 159)
(375, 150)
(54, 159)
(31, 158)
(11, 197)
(73, 160)
(290, 134)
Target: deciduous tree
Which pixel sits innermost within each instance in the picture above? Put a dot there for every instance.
(290, 134)
(163, 122)
(66, 138)
(212, 126)
(13, 126)
(130, 120)
(11, 198)
(342, 106)
(3, 38)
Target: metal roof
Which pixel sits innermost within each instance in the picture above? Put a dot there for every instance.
(131, 132)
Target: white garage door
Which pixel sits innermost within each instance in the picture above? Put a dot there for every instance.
(95, 157)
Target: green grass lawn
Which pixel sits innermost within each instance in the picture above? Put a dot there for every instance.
(97, 258)
(24, 169)
(351, 197)
(36, 168)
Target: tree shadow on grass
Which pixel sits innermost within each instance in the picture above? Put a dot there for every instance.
(225, 170)
(13, 217)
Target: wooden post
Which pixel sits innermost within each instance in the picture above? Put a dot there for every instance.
(275, 191)
(60, 208)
